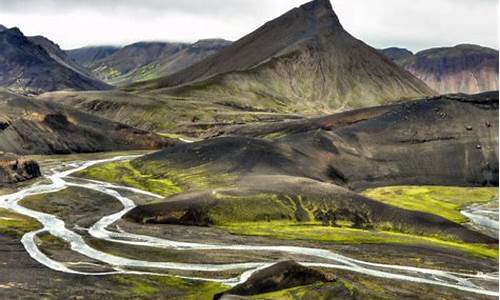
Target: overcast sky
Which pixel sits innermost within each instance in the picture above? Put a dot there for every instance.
(414, 24)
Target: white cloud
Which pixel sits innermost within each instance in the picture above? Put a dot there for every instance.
(415, 24)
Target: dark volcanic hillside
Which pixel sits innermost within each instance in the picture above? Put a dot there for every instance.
(461, 69)
(87, 56)
(30, 126)
(441, 141)
(303, 60)
(28, 68)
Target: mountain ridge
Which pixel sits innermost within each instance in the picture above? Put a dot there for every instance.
(464, 68)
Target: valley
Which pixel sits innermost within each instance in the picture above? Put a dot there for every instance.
(294, 162)
(115, 254)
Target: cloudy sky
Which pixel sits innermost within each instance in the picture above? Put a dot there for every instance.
(414, 24)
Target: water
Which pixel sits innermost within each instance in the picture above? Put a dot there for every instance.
(60, 180)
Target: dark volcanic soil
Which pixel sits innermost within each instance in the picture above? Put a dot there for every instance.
(442, 141)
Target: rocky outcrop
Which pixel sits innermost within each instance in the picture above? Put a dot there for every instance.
(466, 69)
(14, 168)
(280, 276)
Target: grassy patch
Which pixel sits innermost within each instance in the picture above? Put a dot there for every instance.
(169, 287)
(15, 224)
(260, 207)
(349, 236)
(125, 174)
(439, 200)
(189, 179)
(48, 241)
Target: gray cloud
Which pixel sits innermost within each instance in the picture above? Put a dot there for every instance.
(415, 24)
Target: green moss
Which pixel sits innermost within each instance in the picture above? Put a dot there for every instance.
(343, 235)
(15, 224)
(169, 287)
(195, 178)
(317, 291)
(125, 174)
(254, 208)
(439, 200)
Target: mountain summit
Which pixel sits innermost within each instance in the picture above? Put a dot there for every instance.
(302, 61)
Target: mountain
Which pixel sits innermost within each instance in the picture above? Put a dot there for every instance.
(27, 67)
(461, 69)
(60, 56)
(302, 61)
(396, 54)
(2, 28)
(30, 126)
(149, 60)
(170, 63)
(116, 67)
(87, 56)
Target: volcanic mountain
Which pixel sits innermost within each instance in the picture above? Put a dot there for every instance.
(27, 67)
(302, 61)
(461, 69)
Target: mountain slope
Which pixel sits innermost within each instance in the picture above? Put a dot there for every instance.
(149, 60)
(56, 53)
(170, 63)
(116, 67)
(27, 67)
(303, 60)
(461, 69)
(29, 126)
(87, 56)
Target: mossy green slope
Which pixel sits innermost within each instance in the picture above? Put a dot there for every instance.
(439, 200)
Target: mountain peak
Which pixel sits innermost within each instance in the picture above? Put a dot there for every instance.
(14, 31)
(2, 28)
(321, 10)
(318, 5)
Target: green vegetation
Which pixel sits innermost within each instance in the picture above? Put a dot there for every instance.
(125, 174)
(260, 207)
(317, 291)
(344, 235)
(169, 287)
(15, 224)
(189, 179)
(439, 200)
(155, 177)
(46, 240)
